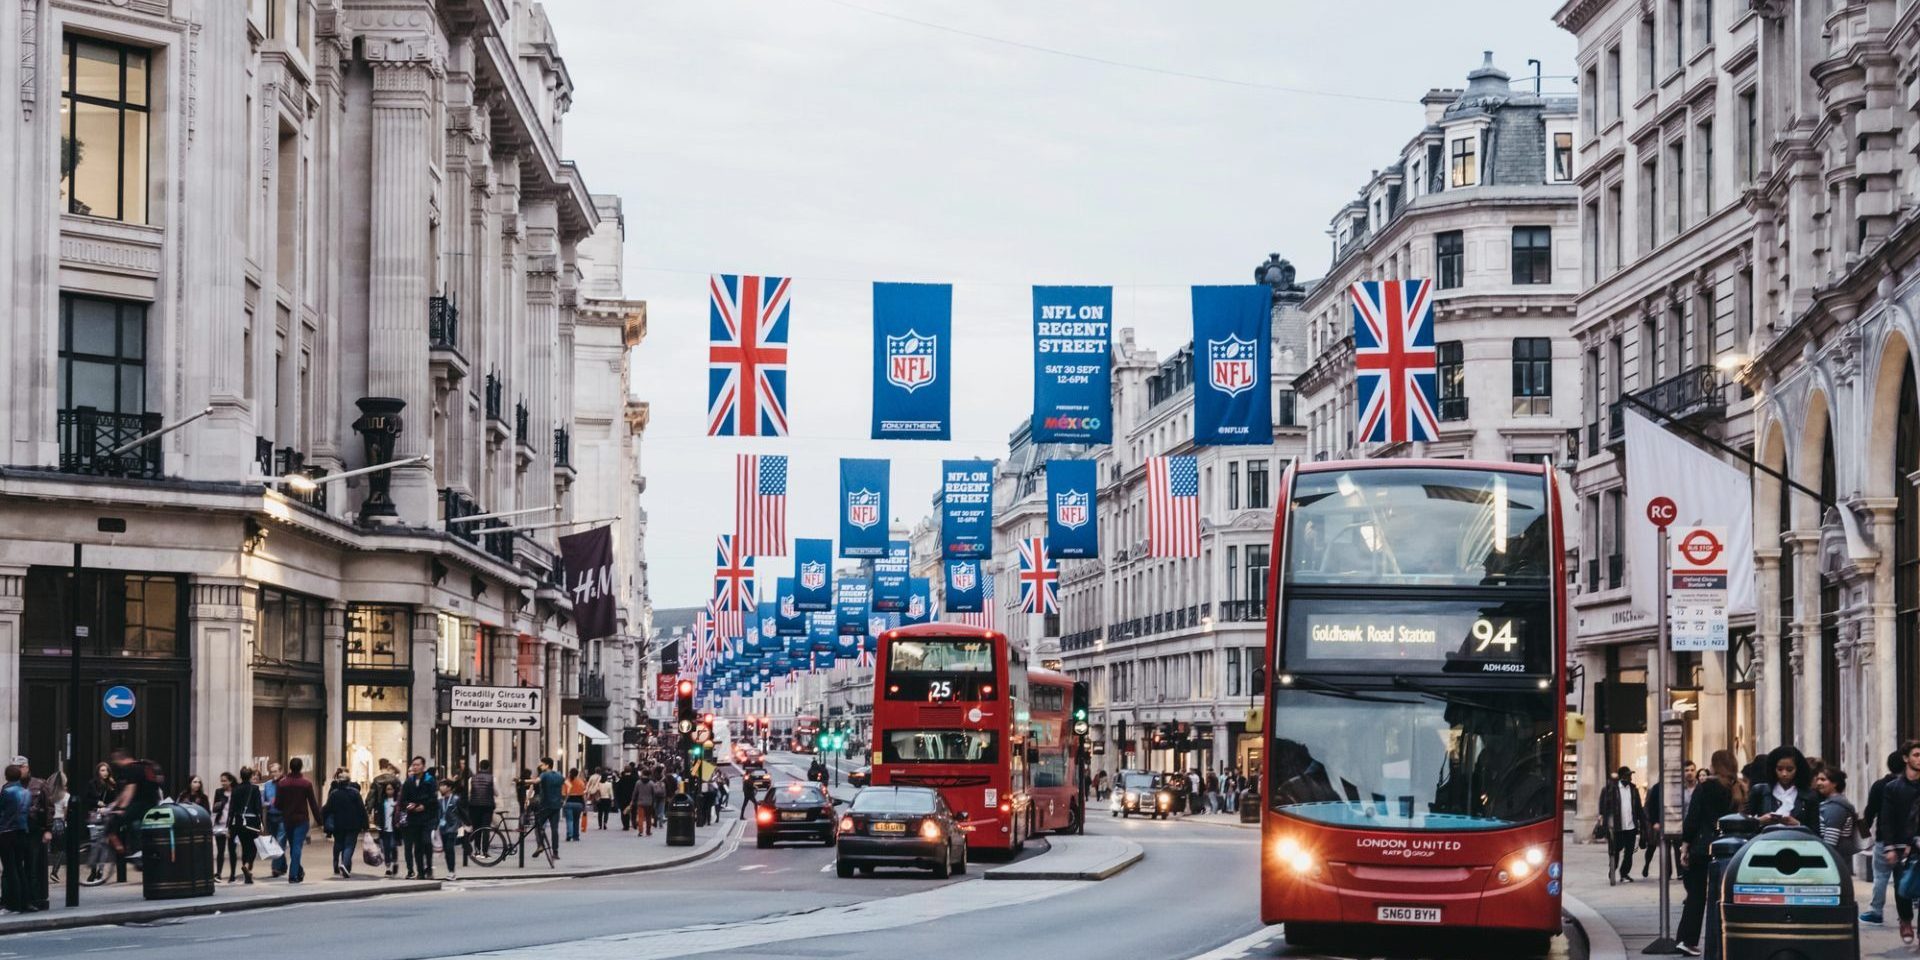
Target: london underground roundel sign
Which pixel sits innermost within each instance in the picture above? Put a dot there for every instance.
(1662, 511)
(1700, 547)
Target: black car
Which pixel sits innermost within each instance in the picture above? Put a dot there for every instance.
(797, 811)
(860, 777)
(762, 781)
(901, 827)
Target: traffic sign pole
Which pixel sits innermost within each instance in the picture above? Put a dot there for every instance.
(1662, 511)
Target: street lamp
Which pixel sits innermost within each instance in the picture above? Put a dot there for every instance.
(301, 483)
(157, 434)
(524, 527)
(475, 518)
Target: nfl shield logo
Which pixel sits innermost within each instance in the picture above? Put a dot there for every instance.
(767, 628)
(1230, 365)
(813, 576)
(863, 508)
(917, 607)
(910, 360)
(1070, 507)
(964, 576)
(876, 626)
(788, 609)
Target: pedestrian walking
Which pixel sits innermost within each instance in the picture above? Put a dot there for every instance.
(600, 794)
(451, 823)
(1622, 816)
(388, 815)
(1100, 785)
(295, 800)
(40, 812)
(14, 862)
(482, 800)
(1215, 803)
(1719, 793)
(576, 803)
(247, 818)
(344, 817)
(226, 855)
(1839, 822)
(1789, 798)
(623, 795)
(270, 792)
(1654, 839)
(418, 799)
(646, 794)
(1894, 832)
(549, 794)
(196, 794)
(1882, 870)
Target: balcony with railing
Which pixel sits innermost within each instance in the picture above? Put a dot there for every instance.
(1243, 611)
(1616, 570)
(88, 438)
(443, 324)
(562, 448)
(1693, 394)
(288, 462)
(1453, 408)
(593, 688)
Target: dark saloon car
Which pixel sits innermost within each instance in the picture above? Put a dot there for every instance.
(797, 811)
(762, 781)
(901, 827)
(860, 777)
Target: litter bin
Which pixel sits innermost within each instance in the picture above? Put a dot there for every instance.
(176, 852)
(1249, 807)
(1783, 897)
(1732, 832)
(680, 821)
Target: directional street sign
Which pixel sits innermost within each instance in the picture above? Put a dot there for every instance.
(496, 708)
(118, 702)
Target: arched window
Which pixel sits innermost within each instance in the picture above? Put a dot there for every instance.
(1829, 616)
(1906, 553)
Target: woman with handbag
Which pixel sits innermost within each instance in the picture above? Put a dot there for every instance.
(246, 814)
(226, 856)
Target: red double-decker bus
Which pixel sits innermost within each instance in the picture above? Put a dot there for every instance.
(1058, 786)
(949, 712)
(1415, 701)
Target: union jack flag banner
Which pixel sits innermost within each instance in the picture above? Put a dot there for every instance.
(760, 504)
(747, 356)
(988, 605)
(1395, 362)
(1173, 506)
(1039, 578)
(732, 589)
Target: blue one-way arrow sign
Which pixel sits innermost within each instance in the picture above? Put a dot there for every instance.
(118, 702)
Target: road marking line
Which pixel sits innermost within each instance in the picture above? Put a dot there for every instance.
(1235, 949)
(754, 866)
(825, 867)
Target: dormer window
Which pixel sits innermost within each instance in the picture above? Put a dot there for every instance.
(1463, 165)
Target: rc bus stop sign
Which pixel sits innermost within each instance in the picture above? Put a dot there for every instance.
(118, 702)
(1662, 511)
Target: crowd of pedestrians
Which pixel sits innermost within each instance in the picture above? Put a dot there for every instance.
(1193, 791)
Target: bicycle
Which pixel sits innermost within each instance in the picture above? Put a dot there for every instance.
(489, 846)
(98, 857)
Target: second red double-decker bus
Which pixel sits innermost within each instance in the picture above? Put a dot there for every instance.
(949, 712)
(1415, 701)
(1058, 788)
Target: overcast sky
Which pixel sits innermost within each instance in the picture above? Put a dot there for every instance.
(841, 142)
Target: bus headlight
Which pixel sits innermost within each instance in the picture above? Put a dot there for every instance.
(1522, 866)
(1294, 856)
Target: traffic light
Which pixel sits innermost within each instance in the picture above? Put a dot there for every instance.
(1081, 695)
(683, 706)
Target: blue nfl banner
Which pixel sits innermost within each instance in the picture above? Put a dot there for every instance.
(766, 626)
(890, 579)
(919, 602)
(820, 632)
(863, 508)
(1072, 533)
(851, 607)
(966, 508)
(912, 361)
(846, 646)
(787, 619)
(964, 582)
(1231, 330)
(1072, 358)
(813, 575)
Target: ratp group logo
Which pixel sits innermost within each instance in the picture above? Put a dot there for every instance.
(863, 508)
(910, 360)
(813, 576)
(1070, 508)
(1230, 365)
(965, 575)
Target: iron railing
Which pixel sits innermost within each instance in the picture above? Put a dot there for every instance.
(1243, 611)
(443, 324)
(496, 399)
(593, 685)
(1453, 408)
(562, 455)
(263, 455)
(520, 421)
(1616, 570)
(1593, 574)
(89, 436)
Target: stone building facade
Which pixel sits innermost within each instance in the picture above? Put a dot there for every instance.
(305, 236)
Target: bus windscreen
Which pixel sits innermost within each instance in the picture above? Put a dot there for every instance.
(940, 669)
(1419, 527)
(940, 746)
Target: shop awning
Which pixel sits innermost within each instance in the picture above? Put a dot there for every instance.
(592, 733)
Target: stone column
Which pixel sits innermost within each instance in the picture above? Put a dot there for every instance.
(1766, 638)
(424, 710)
(1804, 670)
(542, 329)
(399, 270)
(333, 659)
(13, 607)
(1879, 641)
(222, 617)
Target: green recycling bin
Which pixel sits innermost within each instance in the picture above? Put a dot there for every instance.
(176, 852)
(1784, 897)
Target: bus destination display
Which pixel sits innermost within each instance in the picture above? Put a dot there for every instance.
(1474, 642)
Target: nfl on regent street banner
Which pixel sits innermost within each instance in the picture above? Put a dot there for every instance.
(787, 617)
(851, 605)
(820, 632)
(919, 601)
(1072, 354)
(912, 361)
(1231, 327)
(587, 558)
(1072, 533)
(966, 508)
(863, 508)
(963, 586)
(890, 578)
(813, 575)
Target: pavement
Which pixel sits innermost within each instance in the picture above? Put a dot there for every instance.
(1619, 921)
(597, 853)
(1076, 857)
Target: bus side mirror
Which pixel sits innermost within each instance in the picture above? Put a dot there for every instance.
(963, 816)
(1576, 727)
(1259, 681)
(1033, 755)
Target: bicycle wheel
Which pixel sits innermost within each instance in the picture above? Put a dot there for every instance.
(490, 846)
(546, 846)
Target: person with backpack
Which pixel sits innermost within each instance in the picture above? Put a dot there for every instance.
(646, 795)
(1839, 823)
(1882, 871)
(482, 800)
(345, 818)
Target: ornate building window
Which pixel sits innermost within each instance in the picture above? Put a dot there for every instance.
(103, 138)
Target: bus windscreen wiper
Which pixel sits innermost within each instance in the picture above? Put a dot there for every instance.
(1450, 696)
(1345, 693)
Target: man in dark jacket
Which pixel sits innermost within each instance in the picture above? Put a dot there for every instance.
(295, 800)
(39, 833)
(482, 800)
(549, 797)
(1622, 817)
(1882, 871)
(623, 795)
(1896, 823)
(345, 817)
(420, 800)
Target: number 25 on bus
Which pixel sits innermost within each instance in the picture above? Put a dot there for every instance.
(1415, 701)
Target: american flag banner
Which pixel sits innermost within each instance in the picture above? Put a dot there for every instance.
(747, 356)
(1039, 578)
(1395, 363)
(1173, 507)
(989, 606)
(760, 504)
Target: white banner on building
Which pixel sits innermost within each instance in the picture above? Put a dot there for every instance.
(1707, 493)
